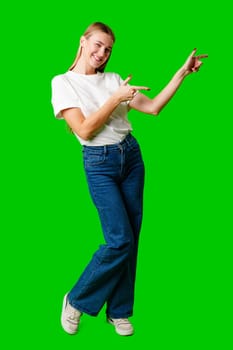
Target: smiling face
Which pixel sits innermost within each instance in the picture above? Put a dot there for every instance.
(96, 49)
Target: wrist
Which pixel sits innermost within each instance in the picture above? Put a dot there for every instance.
(115, 99)
(182, 73)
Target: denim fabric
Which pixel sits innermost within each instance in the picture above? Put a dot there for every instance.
(115, 175)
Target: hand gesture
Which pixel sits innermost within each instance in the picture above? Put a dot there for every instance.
(193, 63)
(127, 92)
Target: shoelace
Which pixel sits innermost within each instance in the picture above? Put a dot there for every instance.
(73, 314)
(120, 321)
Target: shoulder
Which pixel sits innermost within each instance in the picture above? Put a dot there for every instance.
(61, 83)
(113, 78)
(112, 75)
(59, 79)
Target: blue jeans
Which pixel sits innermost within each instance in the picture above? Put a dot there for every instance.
(115, 175)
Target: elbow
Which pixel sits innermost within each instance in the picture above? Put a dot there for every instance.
(155, 112)
(85, 135)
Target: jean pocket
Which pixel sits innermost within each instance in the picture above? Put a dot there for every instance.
(94, 158)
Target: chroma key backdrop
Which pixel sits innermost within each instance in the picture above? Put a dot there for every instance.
(50, 227)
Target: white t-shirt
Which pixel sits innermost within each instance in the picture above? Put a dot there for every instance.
(89, 93)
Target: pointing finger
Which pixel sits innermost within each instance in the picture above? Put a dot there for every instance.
(125, 82)
(193, 52)
(140, 87)
(202, 56)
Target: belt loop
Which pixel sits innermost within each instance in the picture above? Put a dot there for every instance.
(127, 139)
(105, 150)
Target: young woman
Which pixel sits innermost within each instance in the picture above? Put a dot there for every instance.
(95, 106)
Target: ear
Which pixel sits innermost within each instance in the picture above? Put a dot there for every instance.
(82, 41)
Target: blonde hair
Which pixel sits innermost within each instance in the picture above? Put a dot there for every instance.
(89, 31)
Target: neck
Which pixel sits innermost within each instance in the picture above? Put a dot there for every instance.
(82, 68)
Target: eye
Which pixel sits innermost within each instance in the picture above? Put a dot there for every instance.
(97, 44)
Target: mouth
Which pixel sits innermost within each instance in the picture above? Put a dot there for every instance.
(97, 59)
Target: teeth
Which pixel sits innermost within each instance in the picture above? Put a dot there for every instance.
(96, 58)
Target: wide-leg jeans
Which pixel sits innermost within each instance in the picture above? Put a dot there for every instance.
(115, 175)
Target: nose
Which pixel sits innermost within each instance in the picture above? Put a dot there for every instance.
(101, 52)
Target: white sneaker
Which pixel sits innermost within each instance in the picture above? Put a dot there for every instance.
(70, 317)
(122, 325)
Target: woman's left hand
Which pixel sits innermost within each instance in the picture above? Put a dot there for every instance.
(193, 63)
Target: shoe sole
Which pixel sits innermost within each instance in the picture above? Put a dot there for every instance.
(124, 333)
(62, 320)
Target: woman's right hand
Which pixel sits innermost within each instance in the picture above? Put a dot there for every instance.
(127, 92)
(193, 63)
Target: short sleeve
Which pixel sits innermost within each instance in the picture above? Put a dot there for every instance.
(63, 96)
(118, 78)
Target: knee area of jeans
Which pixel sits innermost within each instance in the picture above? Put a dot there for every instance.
(123, 245)
(122, 250)
(126, 249)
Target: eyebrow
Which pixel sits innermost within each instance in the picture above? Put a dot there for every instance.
(100, 42)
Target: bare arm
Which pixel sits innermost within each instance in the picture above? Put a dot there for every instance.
(154, 106)
(87, 127)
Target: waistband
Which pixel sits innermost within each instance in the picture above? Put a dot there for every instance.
(126, 141)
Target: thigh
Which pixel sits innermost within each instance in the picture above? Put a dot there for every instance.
(133, 186)
(106, 194)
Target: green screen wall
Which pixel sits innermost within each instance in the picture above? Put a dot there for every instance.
(50, 228)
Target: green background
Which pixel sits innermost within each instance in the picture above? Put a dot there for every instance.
(50, 228)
